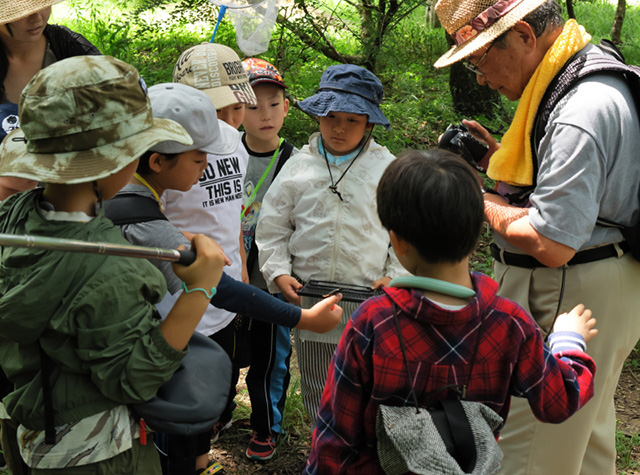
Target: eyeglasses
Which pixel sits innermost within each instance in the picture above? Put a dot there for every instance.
(475, 68)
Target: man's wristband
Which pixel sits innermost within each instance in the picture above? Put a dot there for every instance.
(209, 294)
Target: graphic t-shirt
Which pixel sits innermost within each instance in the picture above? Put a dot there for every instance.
(212, 207)
(258, 163)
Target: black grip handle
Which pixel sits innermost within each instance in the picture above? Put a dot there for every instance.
(186, 257)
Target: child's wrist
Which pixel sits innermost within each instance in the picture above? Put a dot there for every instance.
(209, 293)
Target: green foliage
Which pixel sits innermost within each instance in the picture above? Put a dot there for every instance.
(633, 361)
(597, 16)
(625, 446)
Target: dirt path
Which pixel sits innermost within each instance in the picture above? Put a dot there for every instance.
(292, 453)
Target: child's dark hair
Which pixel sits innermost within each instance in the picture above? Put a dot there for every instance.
(143, 164)
(432, 200)
(282, 89)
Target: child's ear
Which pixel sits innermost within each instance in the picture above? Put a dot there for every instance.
(400, 246)
(286, 106)
(155, 162)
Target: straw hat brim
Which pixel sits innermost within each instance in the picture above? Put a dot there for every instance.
(14, 10)
(85, 165)
(457, 53)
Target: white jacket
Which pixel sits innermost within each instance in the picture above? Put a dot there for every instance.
(304, 228)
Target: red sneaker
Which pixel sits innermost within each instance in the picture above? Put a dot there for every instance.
(261, 447)
(218, 427)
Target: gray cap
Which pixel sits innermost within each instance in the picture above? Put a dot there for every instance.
(193, 110)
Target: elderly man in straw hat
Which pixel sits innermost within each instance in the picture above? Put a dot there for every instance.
(550, 252)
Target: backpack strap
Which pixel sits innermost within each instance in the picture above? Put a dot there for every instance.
(287, 148)
(131, 208)
(252, 257)
(576, 69)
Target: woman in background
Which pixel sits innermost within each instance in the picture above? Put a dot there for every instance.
(28, 44)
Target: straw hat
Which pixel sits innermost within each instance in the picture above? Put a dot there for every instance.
(83, 119)
(12, 10)
(475, 23)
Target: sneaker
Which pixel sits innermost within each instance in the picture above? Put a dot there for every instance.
(261, 447)
(218, 427)
(215, 467)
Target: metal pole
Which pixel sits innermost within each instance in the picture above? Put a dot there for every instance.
(72, 245)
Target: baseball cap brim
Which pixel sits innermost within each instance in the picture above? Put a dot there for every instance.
(267, 80)
(84, 165)
(224, 96)
(226, 143)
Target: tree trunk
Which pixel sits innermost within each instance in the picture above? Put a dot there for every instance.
(470, 99)
(570, 12)
(431, 18)
(618, 19)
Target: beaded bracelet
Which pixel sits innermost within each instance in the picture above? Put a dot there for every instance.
(208, 294)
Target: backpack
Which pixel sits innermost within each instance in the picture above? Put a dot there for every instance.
(447, 437)
(577, 68)
(195, 396)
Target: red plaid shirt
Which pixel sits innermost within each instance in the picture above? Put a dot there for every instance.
(368, 369)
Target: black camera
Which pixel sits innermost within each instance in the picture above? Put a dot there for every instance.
(457, 139)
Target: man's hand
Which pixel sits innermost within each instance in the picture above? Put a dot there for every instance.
(483, 135)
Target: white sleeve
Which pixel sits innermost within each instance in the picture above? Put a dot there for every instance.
(274, 230)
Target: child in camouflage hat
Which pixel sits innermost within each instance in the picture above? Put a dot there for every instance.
(86, 322)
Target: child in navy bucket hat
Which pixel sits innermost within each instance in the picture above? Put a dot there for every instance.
(348, 88)
(319, 219)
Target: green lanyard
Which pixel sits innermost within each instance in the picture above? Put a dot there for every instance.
(252, 198)
(146, 183)
(435, 285)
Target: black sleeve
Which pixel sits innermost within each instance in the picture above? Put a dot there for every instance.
(66, 43)
(245, 299)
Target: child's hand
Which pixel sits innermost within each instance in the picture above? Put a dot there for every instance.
(383, 282)
(206, 270)
(289, 287)
(189, 236)
(577, 320)
(323, 316)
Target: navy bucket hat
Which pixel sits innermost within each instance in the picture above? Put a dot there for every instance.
(348, 88)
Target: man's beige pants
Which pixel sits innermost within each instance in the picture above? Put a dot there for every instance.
(584, 444)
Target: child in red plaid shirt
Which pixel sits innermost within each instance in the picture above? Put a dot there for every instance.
(432, 205)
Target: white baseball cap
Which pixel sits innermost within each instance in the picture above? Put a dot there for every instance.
(193, 110)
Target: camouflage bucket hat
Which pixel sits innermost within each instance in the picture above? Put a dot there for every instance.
(82, 119)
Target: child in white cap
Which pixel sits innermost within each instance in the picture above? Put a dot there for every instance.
(213, 206)
(174, 166)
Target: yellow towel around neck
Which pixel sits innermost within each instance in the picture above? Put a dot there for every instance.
(513, 162)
